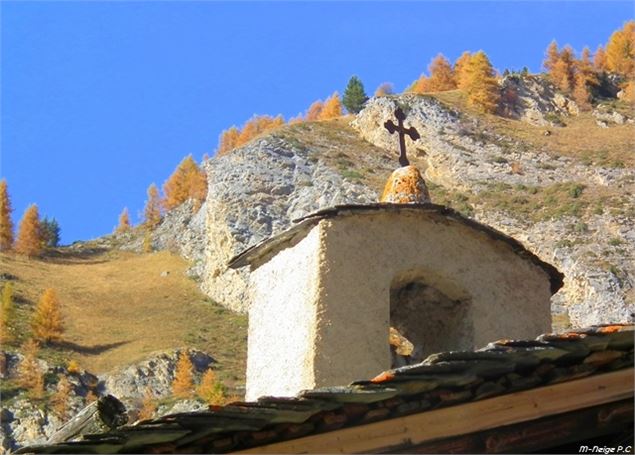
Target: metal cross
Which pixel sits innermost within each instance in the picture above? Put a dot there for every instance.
(412, 132)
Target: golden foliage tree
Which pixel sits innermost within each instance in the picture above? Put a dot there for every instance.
(459, 69)
(257, 125)
(421, 85)
(599, 59)
(29, 241)
(480, 83)
(563, 71)
(47, 321)
(188, 181)
(629, 92)
(227, 141)
(210, 390)
(314, 111)
(620, 51)
(30, 376)
(59, 400)
(6, 225)
(441, 75)
(7, 313)
(552, 55)
(385, 88)
(152, 210)
(124, 222)
(585, 80)
(332, 107)
(148, 405)
(183, 384)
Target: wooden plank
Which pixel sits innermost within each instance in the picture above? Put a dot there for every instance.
(542, 434)
(99, 416)
(466, 418)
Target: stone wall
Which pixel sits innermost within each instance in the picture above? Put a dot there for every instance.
(321, 311)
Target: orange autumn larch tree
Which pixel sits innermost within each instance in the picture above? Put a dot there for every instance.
(183, 384)
(30, 376)
(599, 59)
(441, 75)
(459, 69)
(47, 322)
(6, 225)
(314, 111)
(60, 399)
(586, 80)
(481, 85)
(421, 85)
(620, 51)
(561, 67)
(124, 222)
(332, 107)
(148, 405)
(188, 181)
(228, 141)
(152, 210)
(210, 390)
(29, 241)
(257, 125)
(552, 55)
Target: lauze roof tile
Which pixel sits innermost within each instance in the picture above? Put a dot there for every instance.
(442, 380)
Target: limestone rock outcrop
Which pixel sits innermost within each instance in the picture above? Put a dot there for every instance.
(535, 100)
(256, 191)
(130, 383)
(27, 422)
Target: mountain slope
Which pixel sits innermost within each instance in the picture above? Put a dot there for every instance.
(119, 307)
(568, 200)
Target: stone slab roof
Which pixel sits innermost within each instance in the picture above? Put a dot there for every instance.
(272, 245)
(441, 381)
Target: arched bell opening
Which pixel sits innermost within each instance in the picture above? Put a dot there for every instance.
(428, 314)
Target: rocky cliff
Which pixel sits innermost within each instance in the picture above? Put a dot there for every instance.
(547, 201)
(255, 192)
(26, 421)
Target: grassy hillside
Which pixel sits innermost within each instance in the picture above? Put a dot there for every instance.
(118, 308)
(580, 137)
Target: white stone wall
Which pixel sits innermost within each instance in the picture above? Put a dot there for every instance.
(282, 319)
(321, 309)
(509, 296)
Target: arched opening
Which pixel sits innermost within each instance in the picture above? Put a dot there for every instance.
(427, 315)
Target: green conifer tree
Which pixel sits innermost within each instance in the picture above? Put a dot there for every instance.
(354, 95)
(50, 231)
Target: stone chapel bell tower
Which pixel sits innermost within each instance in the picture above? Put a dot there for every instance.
(327, 290)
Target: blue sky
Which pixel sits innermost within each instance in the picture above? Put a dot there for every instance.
(99, 99)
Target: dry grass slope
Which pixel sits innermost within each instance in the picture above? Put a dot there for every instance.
(118, 309)
(580, 138)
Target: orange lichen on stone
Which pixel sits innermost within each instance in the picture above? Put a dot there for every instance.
(610, 329)
(571, 336)
(383, 377)
(405, 186)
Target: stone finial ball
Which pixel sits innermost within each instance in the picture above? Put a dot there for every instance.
(405, 186)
